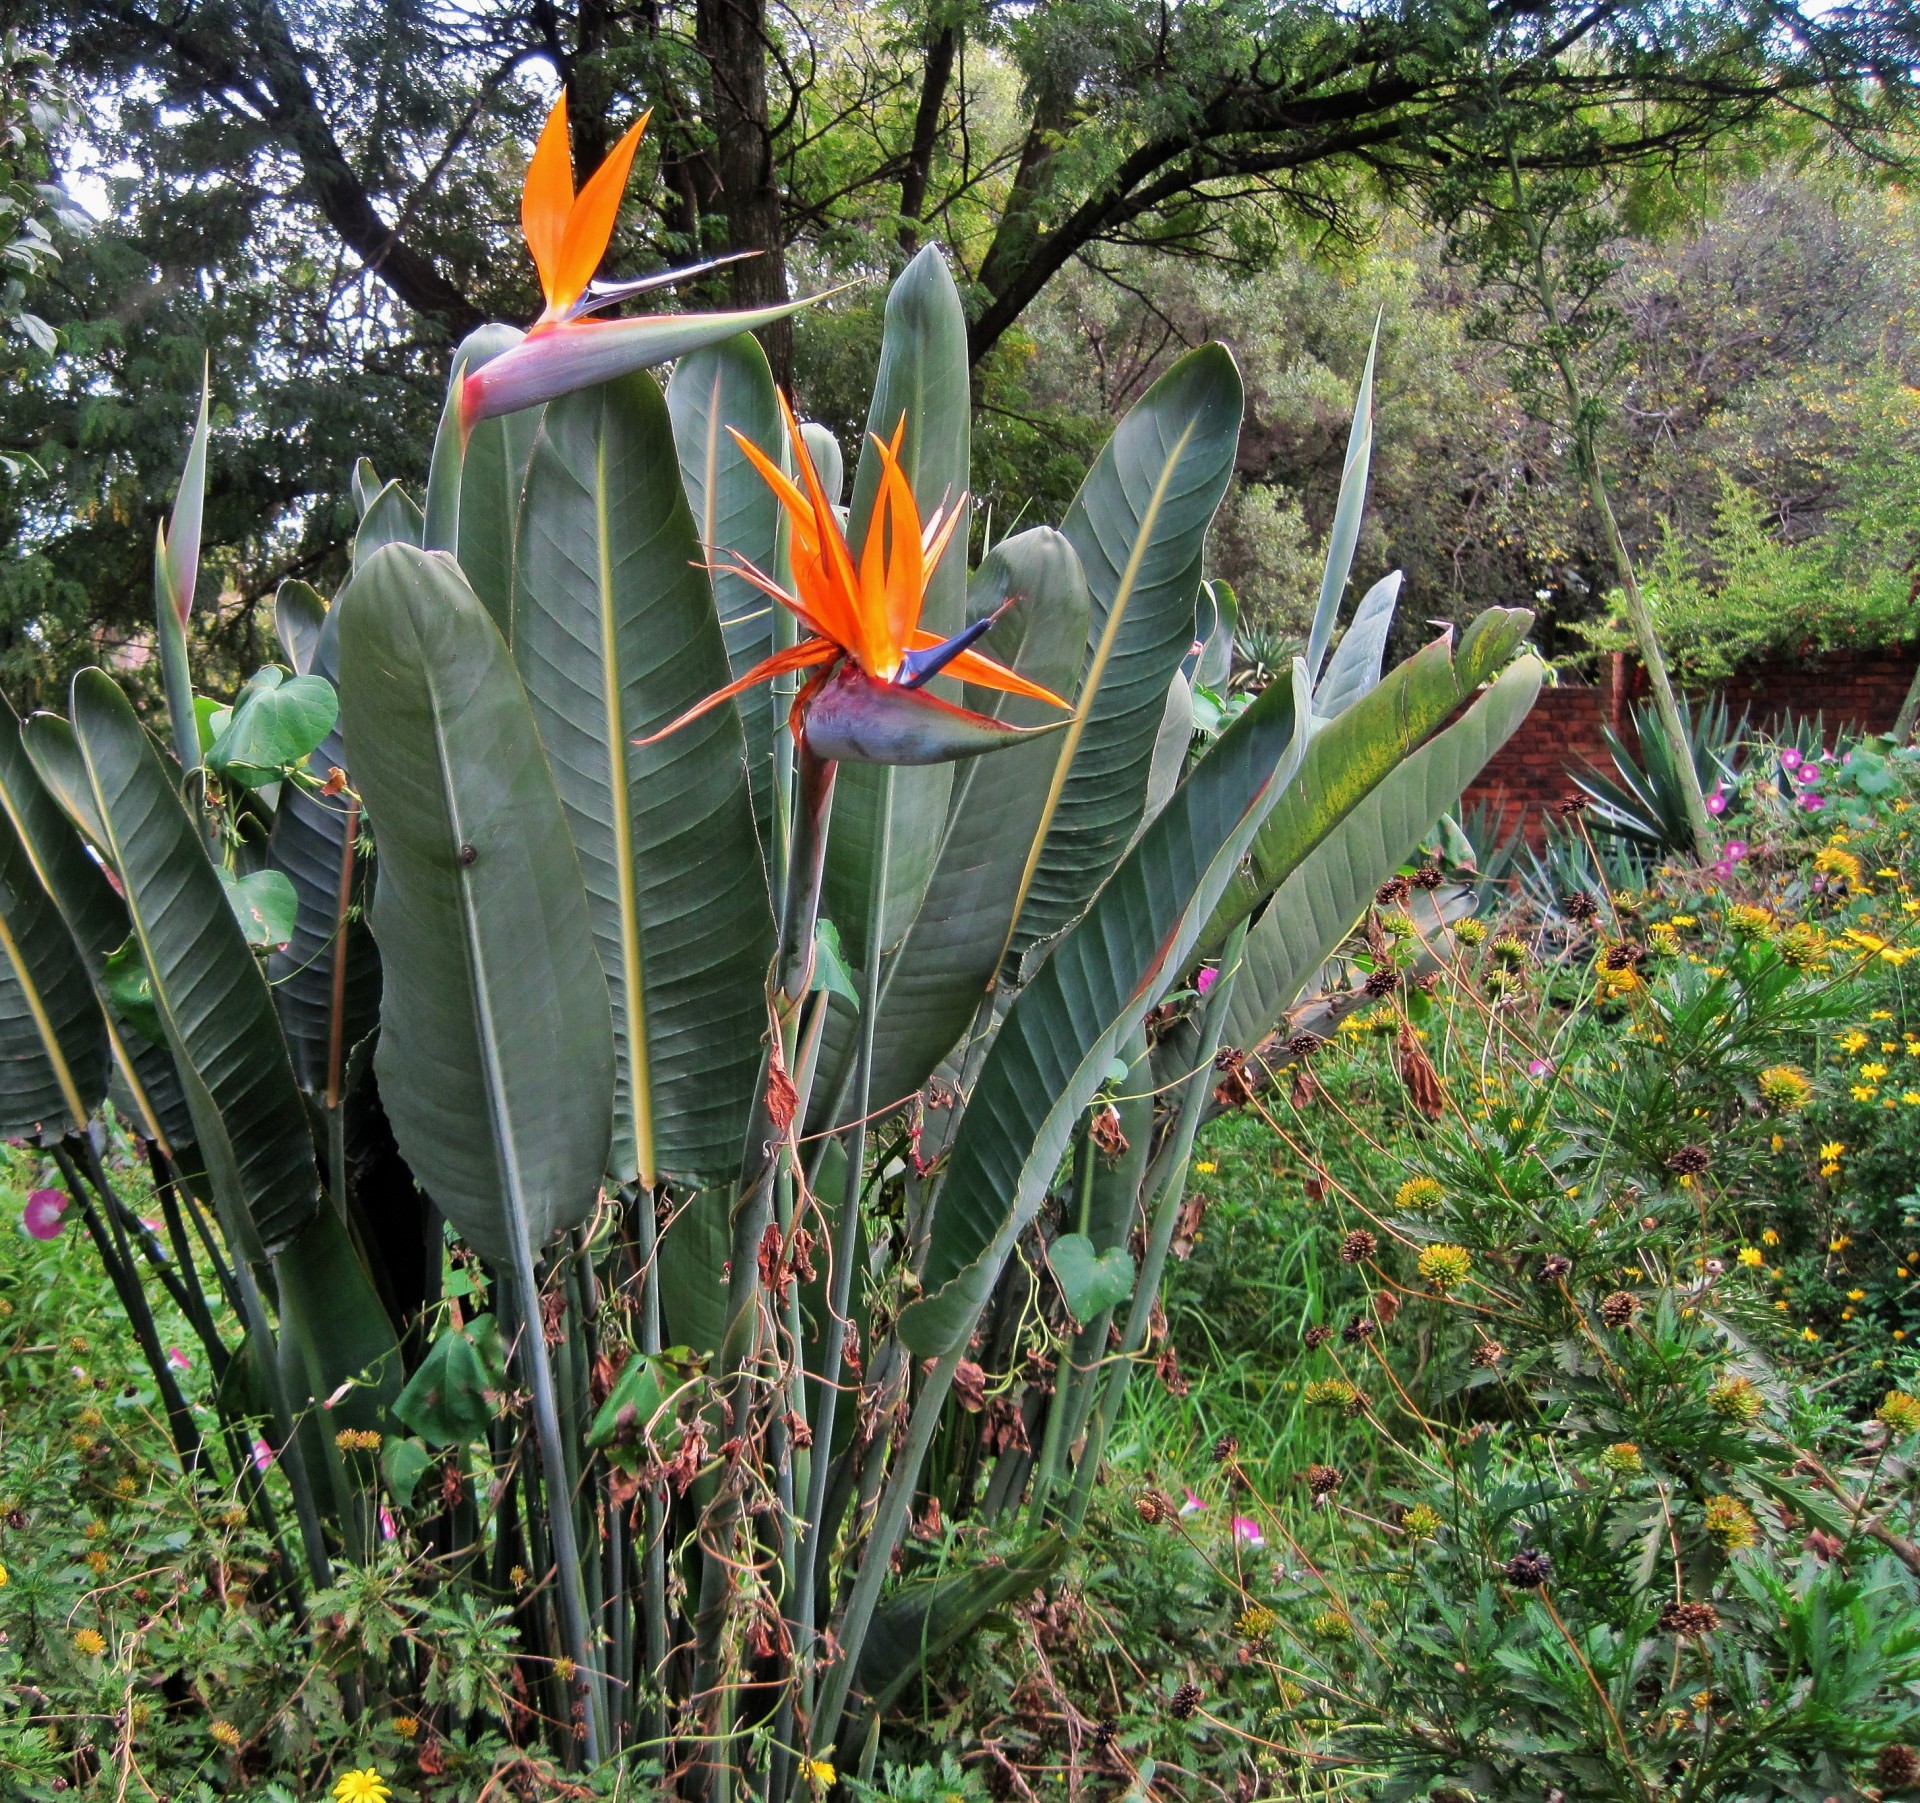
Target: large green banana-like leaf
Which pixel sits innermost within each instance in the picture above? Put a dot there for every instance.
(310, 846)
(1137, 523)
(299, 612)
(96, 918)
(737, 516)
(1053, 1050)
(1348, 512)
(248, 1119)
(393, 517)
(615, 634)
(923, 380)
(474, 480)
(1354, 668)
(176, 574)
(53, 1037)
(934, 984)
(335, 1336)
(922, 1620)
(1353, 753)
(495, 1057)
(1322, 896)
(693, 1262)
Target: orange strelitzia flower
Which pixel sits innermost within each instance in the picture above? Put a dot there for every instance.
(567, 232)
(862, 617)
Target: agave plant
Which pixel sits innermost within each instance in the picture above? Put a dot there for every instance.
(726, 1040)
(1643, 804)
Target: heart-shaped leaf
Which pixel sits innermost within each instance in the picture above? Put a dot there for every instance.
(1092, 1282)
(264, 904)
(275, 725)
(452, 1398)
(130, 986)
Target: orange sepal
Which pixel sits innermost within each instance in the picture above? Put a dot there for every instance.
(547, 197)
(590, 221)
(796, 657)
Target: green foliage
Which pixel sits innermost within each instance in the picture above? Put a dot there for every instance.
(452, 1221)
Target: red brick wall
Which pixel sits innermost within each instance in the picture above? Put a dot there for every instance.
(1861, 690)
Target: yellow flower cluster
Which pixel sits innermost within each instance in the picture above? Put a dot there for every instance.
(1784, 1089)
(1730, 1524)
(1420, 1192)
(1446, 1266)
(1622, 1458)
(1899, 1412)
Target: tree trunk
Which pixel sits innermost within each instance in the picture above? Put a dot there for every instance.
(731, 35)
(941, 50)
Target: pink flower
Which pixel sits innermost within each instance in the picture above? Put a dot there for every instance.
(1192, 1506)
(1247, 1529)
(1733, 851)
(1810, 776)
(1206, 980)
(262, 1455)
(178, 1359)
(1790, 759)
(1717, 802)
(1540, 1067)
(387, 1529)
(1810, 801)
(43, 1213)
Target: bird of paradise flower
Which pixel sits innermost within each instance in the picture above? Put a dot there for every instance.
(865, 701)
(568, 233)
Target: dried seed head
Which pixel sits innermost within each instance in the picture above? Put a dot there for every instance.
(1383, 981)
(1224, 1448)
(1529, 1569)
(1579, 906)
(1185, 1701)
(1322, 1481)
(1358, 1247)
(1316, 1337)
(1154, 1507)
(1429, 876)
(1683, 1618)
(1393, 891)
(1897, 1768)
(1486, 1355)
(1619, 1308)
(1359, 1329)
(1105, 1734)
(1554, 1267)
(1304, 1045)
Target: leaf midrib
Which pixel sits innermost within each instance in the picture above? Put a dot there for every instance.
(1096, 674)
(632, 966)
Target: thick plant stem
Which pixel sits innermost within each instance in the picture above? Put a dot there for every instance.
(1546, 291)
(1666, 705)
(803, 1624)
(876, 1557)
(742, 1339)
(116, 1257)
(1909, 715)
(1060, 1404)
(568, 1579)
(1170, 1192)
(653, 1601)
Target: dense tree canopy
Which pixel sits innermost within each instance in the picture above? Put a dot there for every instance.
(323, 198)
